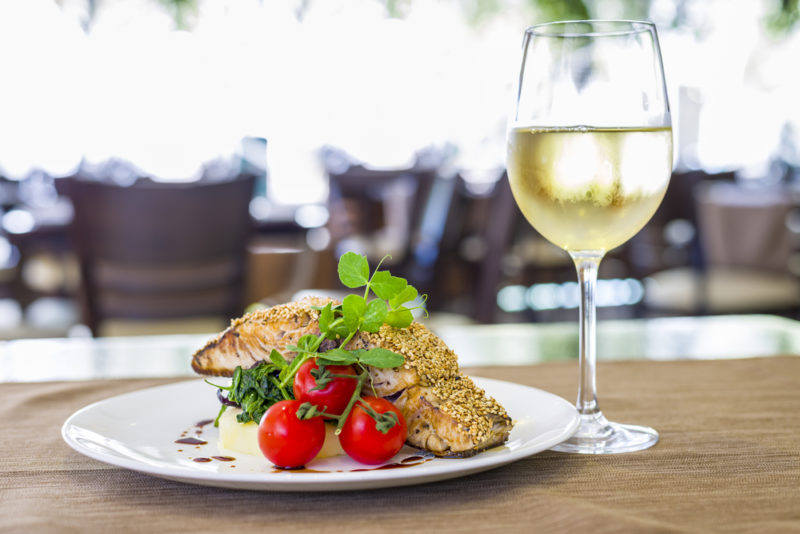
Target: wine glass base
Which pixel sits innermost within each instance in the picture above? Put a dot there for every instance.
(596, 435)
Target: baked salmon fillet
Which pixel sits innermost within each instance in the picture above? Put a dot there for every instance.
(446, 413)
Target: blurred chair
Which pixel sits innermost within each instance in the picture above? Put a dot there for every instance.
(154, 251)
(671, 238)
(379, 212)
(503, 220)
(463, 247)
(486, 244)
(277, 269)
(36, 260)
(747, 250)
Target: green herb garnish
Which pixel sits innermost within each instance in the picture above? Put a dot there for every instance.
(256, 389)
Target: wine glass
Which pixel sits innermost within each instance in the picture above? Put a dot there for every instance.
(589, 160)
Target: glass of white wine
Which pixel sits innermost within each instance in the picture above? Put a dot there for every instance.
(589, 160)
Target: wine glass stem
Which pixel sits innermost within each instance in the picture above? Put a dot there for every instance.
(587, 263)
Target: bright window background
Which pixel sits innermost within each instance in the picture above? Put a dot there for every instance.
(97, 79)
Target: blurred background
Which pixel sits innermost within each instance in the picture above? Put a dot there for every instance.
(165, 164)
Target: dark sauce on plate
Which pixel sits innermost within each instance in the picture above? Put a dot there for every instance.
(405, 462)
(409, 461)
(217, 458)
(191, 441)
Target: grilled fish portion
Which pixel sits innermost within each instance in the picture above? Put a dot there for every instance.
(447, 414)
(250, 339)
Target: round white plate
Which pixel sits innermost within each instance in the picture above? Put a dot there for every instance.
(139, 431)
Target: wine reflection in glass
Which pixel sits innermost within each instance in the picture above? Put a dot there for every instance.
(589, 160)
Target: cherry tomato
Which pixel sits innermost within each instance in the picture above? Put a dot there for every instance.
(287, 441)
(363, 442)
(334, 396)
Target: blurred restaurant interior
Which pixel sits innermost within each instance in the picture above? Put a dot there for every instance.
(167, 164)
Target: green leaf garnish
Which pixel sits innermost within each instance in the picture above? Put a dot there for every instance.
(325, 319)
(277, 358)
(381, 358)
(386, 286)
(374, 316)
(337, 357)
(353, 270)
(353, 309)
(406, 295)
(308, 343)
(399, 318)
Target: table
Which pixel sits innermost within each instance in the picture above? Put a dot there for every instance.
(728, 460)
(670, 338)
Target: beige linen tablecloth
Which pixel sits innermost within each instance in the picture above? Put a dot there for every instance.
(728, 461)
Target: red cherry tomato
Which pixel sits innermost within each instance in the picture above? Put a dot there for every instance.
(363, 442)
(334, 396)
(287, 441)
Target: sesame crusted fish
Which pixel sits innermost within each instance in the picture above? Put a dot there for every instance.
(446, 412)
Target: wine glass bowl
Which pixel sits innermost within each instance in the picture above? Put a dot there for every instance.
(589, 160)
(587, 188)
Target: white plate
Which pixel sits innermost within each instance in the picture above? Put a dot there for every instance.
(139, 430)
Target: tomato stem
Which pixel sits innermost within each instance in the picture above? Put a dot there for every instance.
(383, 421)
(353, 398)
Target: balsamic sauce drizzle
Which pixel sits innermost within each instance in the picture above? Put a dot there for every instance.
(196, 439)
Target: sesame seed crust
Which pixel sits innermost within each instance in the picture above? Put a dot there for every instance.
(299, 312)
(291, 314)
(437, 367)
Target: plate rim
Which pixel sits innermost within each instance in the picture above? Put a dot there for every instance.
(324, 481)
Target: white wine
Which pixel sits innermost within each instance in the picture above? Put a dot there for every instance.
(589, 188)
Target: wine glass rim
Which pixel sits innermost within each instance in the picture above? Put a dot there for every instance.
(634, 26)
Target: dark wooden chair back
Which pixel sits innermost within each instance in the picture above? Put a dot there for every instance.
(477, 234)
(160, 250)
(363, 202)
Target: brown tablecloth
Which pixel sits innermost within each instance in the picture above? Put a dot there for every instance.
(728, 460)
